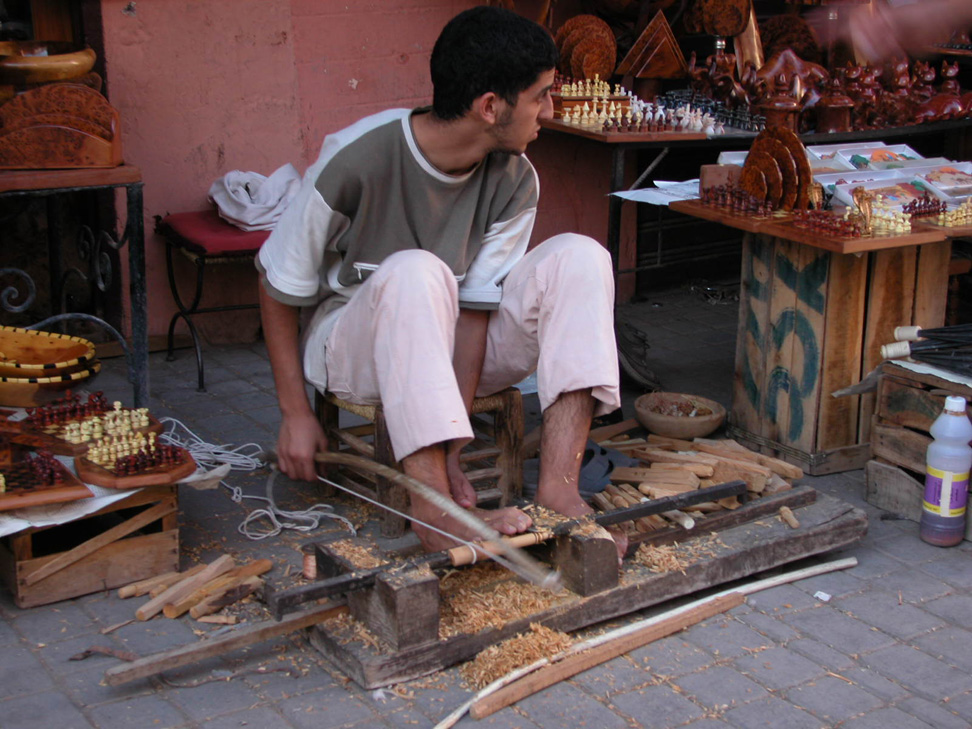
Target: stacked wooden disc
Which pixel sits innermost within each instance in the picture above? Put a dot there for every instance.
(36, 365)
(777, 170)
(587, 48)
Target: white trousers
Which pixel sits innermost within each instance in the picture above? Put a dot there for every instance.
(393, 341)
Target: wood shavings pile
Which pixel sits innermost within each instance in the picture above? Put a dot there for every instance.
(466, 610)
(360, 557)
(348, 630)
(544, 518)
(520, 650)
(676, 557)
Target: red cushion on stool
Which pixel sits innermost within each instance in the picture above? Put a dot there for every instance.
(206, 233)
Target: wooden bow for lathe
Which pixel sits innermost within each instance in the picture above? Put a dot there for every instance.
(518, 561)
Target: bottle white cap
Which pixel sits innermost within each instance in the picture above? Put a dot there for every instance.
(955, 404)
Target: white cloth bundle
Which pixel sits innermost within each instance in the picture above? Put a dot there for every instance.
(251, 201)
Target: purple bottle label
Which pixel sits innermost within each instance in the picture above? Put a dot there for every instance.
(946, 493)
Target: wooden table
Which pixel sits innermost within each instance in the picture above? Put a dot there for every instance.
(625, 148)
(813, 314)
(51, 183)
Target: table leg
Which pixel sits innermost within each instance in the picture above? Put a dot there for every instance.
(138, 297)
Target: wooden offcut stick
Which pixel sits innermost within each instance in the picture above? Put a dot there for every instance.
(219, 619)
(786, 514)
(144, 587)
(217, 586)
(577, 662)
(184, 655)
(233, 593)
(182, 588)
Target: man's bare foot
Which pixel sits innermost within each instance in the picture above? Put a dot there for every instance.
(463, 492)
(507, 521)
(575, 507)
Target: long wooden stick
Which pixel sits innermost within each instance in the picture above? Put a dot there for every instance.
(749, 589)
(95, 543)
(184, 655)
(577, 662)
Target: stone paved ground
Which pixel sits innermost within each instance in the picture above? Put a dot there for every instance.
(891, 649)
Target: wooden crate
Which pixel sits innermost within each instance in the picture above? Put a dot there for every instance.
(907, 403)
(128, 540)
(812, 321)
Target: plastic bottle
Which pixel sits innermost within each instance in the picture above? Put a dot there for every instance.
(948, 461)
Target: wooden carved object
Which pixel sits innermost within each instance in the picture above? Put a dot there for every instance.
(59, 126)
(656, 53)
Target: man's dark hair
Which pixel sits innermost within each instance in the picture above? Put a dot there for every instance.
(487, 49)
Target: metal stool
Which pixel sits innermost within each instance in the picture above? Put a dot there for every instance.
(205, 239)
(505, 432)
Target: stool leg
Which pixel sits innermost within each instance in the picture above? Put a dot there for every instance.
(508, 434)
(390, 494)
(327, 415)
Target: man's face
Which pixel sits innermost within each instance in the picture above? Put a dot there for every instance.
(518, 125)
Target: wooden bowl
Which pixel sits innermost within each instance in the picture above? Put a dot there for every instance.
(677, 415)
(25, 392)
(34, 353)
(38, 62)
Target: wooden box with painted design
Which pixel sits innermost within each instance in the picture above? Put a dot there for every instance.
(811, 322)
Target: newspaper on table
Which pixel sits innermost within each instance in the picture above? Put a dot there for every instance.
(664, 193)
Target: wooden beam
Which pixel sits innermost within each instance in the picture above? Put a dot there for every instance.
(184, 655)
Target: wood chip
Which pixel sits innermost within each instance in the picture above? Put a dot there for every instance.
(520, 650)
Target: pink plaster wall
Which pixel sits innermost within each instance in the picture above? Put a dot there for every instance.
(208, 87)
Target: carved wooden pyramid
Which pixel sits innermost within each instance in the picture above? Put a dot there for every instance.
(655, 54)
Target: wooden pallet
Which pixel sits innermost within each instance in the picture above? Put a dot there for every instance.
(746, 549)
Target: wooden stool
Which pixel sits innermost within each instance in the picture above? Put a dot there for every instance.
(506, 433)
(205, 239)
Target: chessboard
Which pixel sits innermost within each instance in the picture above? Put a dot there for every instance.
(68, 426)
(36, 484)
(177, 465)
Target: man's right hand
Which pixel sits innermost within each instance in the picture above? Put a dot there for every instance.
(300, 438)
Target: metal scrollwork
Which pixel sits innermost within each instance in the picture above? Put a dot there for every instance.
(10, 293)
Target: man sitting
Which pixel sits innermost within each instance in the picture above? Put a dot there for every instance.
(409, 237)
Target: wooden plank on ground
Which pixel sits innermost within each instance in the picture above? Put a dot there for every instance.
(185, 655)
